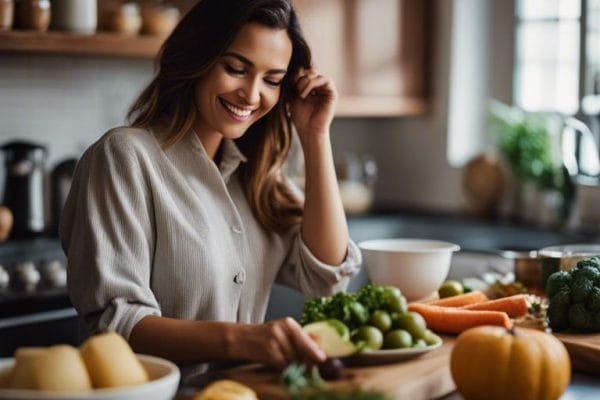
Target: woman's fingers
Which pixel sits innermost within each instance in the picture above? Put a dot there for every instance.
(310, 80)
(287, 342)
(281, 333)
(305, 346)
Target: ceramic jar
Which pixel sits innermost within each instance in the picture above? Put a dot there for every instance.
(34, 14)
(159, 19)
(79, 16)
(125, 19)
(7, 13)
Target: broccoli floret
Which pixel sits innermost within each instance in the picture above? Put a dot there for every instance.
(593, 300)
(587, 271)
(592, 262)
(556, 282)
(580, 319)
(372, 296)
(558, 309)
(581, 287)
(375, 297)
(339, 307)
(314, 310)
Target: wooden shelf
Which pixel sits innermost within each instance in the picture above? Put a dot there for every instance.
(383, 106)
(383, 80)
(102, 44)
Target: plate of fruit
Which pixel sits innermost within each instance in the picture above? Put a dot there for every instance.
(370, 326)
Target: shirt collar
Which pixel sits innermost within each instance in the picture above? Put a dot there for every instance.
(231, 157)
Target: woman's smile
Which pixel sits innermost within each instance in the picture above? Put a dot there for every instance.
(237, 113)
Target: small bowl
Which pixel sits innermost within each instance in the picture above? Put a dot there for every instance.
(416, 266)
(163, 383)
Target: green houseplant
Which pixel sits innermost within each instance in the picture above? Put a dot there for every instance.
(530, 145)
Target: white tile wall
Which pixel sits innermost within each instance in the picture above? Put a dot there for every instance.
(65, 103)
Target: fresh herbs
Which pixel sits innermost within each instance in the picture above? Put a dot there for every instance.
(306, 383)
(353, 309)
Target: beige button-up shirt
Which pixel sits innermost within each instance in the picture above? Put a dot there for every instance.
(153, 231)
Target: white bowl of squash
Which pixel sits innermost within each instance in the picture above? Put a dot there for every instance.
(106, 369)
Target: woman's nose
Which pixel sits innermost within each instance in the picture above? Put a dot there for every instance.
(250, 92)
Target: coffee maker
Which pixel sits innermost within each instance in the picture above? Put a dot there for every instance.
(24, 187)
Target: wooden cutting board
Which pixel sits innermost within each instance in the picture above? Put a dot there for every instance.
(584, 350)
(424, 377)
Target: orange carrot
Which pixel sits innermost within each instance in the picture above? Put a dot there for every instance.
(515, 306)
(455, 320)
(461, 299)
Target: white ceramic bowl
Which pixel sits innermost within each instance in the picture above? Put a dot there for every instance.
(164, 380)
(416, 266)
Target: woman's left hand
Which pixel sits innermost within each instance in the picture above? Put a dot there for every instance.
(313, 108)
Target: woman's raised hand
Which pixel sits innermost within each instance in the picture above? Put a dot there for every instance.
(313, 108)
(278, 343)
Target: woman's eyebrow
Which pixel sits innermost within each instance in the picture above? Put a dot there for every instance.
(251, 64)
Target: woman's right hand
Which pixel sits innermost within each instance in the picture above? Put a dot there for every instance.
(277, 343)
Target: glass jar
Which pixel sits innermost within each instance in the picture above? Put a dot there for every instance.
(356, 181)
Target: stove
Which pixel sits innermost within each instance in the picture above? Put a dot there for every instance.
(35, 309)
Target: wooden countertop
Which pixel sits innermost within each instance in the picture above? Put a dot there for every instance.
(423, 377)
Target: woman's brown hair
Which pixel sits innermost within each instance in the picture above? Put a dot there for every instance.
(191, 50)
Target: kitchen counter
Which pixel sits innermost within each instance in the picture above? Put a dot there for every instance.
(477, 238)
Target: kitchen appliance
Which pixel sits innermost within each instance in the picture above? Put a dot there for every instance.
(24, 187)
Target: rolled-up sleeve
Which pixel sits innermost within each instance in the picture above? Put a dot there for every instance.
(306, 273)
(107, 233)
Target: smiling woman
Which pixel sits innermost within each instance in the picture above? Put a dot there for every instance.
(244, 85)
(177, 226)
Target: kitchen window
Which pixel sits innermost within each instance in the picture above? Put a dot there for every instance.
(547, 51)
(557, 54)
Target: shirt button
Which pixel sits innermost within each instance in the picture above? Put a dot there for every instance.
(240, 277)
(235, 229)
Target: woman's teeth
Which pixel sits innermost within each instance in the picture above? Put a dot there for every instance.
(237, 111)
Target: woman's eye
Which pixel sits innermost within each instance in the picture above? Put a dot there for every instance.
(272, 83)
(233, 70)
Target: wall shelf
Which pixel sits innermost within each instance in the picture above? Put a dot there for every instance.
(101, 44)
(389, 79)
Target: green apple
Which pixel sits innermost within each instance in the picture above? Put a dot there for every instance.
(332, 336)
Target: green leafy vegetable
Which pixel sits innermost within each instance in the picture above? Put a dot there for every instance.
(306, 384)
(575, 297)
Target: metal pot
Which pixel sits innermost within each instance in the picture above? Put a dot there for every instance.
(532, 268)
(564, 257)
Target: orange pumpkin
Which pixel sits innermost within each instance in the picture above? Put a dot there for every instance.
(491, 362)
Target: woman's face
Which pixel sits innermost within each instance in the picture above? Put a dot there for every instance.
(245, 83)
